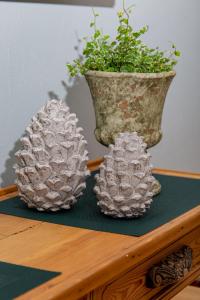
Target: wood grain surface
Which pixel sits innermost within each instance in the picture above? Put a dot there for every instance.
(87, 259)
(132, 284)
(189, 293)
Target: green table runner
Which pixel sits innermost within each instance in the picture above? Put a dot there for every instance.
(178, 196)
(16, 280)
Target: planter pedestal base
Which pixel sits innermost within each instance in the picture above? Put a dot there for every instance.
(156, 187)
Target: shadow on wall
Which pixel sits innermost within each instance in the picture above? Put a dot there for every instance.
(79, 100)
(105, 3)
(8, 175)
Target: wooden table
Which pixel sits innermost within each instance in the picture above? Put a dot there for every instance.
(97, 265)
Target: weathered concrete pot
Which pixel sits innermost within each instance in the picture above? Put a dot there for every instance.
(128, 102)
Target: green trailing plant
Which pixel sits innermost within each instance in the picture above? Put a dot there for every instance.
(126, 53)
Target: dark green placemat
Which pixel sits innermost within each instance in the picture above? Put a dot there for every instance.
(178, 196)
(16, 280)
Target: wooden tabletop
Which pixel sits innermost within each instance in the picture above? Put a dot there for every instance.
(86, 258)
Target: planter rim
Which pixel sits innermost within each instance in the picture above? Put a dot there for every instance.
(136, 75)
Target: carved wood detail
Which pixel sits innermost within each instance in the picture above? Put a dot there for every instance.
(172, 269)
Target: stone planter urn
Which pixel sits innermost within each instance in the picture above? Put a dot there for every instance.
(128, 102)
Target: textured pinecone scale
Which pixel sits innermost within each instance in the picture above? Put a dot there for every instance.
(51, 167)
(124, 184)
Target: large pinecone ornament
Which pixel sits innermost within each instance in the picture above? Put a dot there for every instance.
(124, 184)
(51, 167)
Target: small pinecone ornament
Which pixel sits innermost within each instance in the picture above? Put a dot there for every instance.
(51, 167)
(124, 184)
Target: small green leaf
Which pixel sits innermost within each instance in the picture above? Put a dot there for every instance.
(177, 53)
(120, 13)
(97, 34)
(106, 37)
(125, 21)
